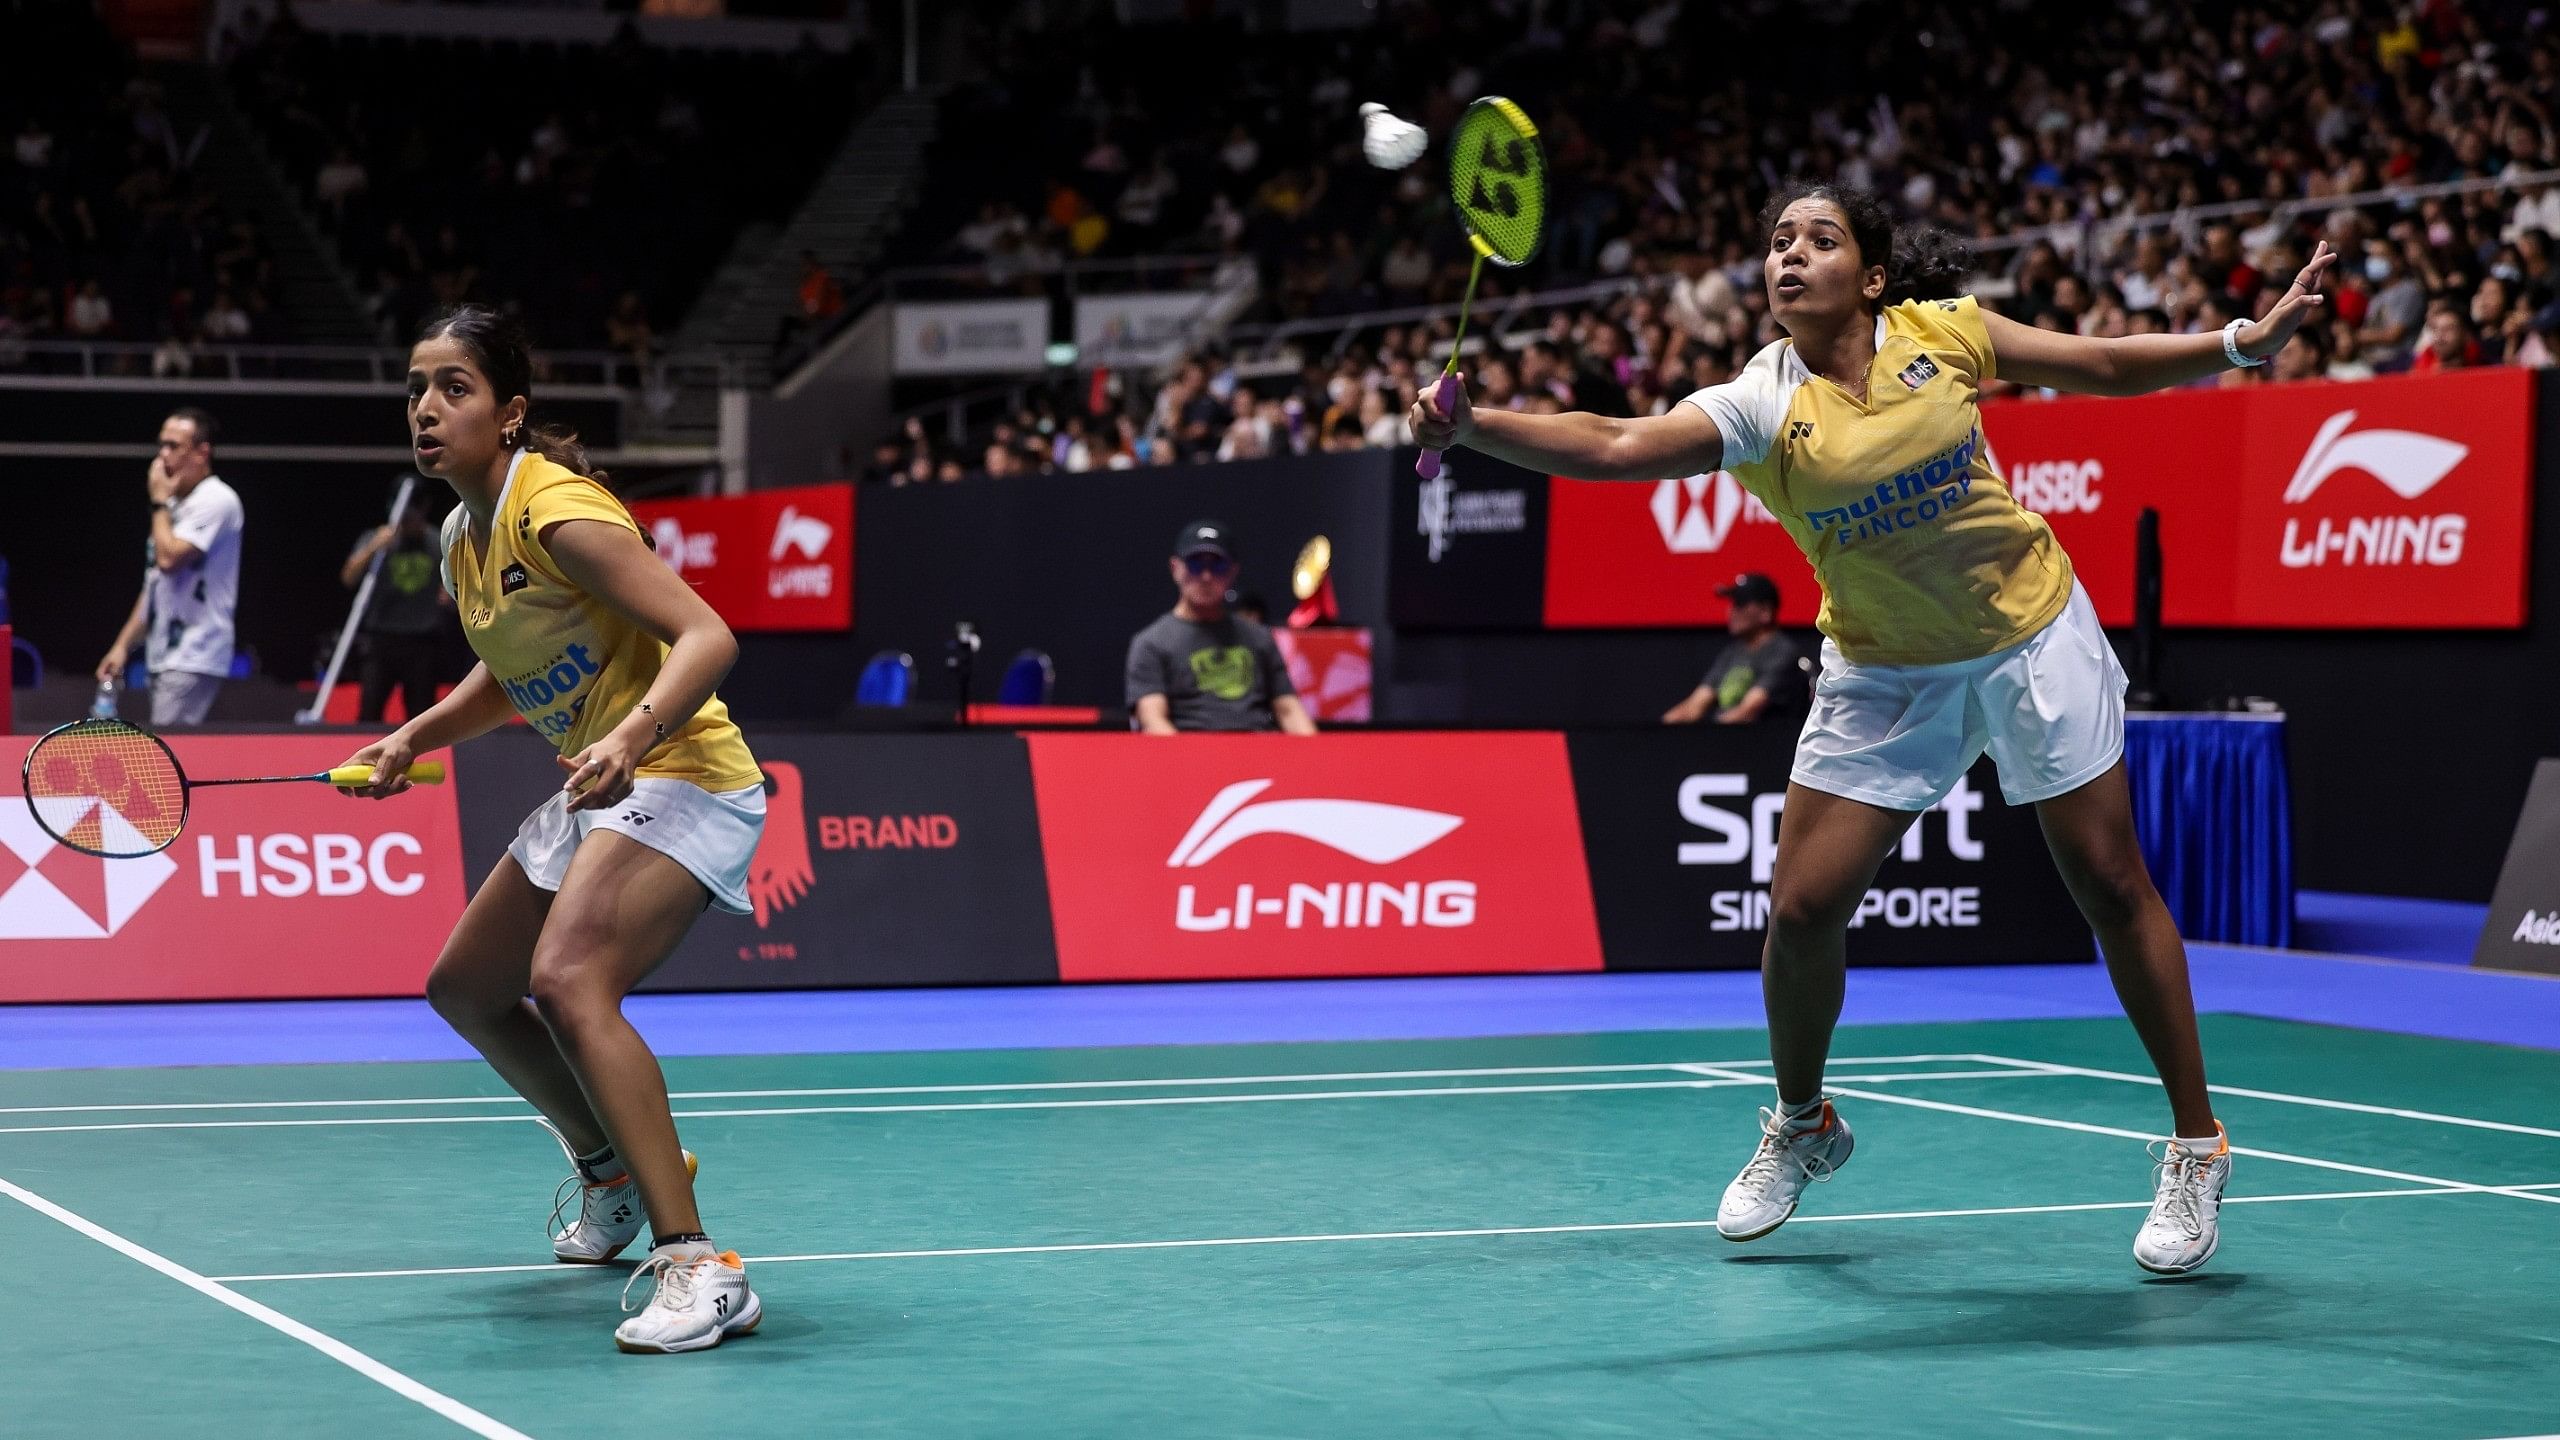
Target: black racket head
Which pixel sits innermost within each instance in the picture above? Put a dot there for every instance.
(106, 788)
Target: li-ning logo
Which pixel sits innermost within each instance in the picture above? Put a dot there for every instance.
(2409, 463)
(807, 535)
(1696, 513)
(1367, 830)
(57, 893)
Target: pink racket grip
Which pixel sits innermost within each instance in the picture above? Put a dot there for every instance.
(1427, 465)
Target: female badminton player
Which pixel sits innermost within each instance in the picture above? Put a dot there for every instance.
(611, 657)
(1953, 625)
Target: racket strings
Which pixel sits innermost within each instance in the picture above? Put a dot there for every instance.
(104, 787)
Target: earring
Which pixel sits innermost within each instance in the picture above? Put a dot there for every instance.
(509, 439)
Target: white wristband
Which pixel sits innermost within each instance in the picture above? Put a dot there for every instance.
(2231, 346)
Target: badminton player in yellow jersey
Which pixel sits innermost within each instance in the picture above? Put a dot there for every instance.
(1953, 626)
(606, 653)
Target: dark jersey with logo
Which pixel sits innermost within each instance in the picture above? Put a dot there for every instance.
(1217, 676)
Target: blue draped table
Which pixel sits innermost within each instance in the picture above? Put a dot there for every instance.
(2215, 812)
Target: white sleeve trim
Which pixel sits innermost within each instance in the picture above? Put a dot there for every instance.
(1749, 408)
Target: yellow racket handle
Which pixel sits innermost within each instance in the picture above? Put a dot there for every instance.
(423, 772)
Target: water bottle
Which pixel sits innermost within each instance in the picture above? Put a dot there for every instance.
(104, 706)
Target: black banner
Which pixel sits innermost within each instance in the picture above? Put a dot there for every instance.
(1680, 826)
(2523, 928)
(1469, 548)
(886, 860)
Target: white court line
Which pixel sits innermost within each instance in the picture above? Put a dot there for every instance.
(336, 1349)
(1485, 1072)
(2283, 1097)
(2088, 1129)
(1230, 1242)
(1722, 1081)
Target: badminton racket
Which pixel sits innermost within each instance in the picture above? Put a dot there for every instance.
(116, 791)
(1498, 180)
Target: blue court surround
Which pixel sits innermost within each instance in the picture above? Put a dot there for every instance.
(2416, 999)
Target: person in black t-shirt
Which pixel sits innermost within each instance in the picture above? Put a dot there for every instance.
(1202, 667)
(1759, 672)
(402, 619)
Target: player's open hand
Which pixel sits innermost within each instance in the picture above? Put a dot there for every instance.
(1434, 428)
(600, 775)
(2304, 300)
(389, 757)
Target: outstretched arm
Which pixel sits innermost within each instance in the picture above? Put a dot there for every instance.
(2140, 364)
(1581, 446)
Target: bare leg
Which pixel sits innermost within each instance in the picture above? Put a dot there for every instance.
(2091, 832)
(1828, 849)
(622, 909)
(479, 984)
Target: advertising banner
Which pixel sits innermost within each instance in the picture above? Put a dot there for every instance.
(2401, 502)
(2523, 928)
(1141, 328)
(1469, 547)
(969, 337)
(1220, 856)
(1331, 667)
(766, 560)
(271, 891)
(1681, 825)
(885, 860)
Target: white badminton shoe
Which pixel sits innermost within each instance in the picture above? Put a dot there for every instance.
(1764, 1195)
(610, 1216)
(2184, 1227)
(700, 1301)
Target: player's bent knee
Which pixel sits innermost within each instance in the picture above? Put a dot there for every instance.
(462, 999)
(1798, 915)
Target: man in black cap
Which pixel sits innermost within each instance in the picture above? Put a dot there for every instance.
(1201, 667)
(1759, 672)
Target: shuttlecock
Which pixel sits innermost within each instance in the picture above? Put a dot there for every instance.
(1390, 143)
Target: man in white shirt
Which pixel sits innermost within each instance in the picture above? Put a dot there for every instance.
(191, 586)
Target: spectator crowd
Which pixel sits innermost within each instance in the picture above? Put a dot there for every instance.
(2036, 131)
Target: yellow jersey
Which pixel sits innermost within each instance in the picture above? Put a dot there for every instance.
(572, 666)
(1924, 556)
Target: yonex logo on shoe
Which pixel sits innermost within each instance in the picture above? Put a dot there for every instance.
(720, 1305)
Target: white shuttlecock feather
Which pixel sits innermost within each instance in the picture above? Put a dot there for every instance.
(1390, 143)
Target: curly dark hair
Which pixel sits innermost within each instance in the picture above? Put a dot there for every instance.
(1921, 262)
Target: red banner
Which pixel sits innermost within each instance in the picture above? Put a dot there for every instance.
(766, 560)
(273, 890)
(1220, 856)
(1331, 667)
(2400, 502)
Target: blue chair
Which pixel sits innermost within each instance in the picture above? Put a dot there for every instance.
(26, 664)
(888, 680)
(1028, 680)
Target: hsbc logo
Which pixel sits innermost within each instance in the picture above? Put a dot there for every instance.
(2408, 463)
(1363, 830)
(1697, 513)
(682, 552)
(49, 891)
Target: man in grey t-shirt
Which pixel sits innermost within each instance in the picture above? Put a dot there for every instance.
(191, 587)
(1759, 672)
(1201, 667)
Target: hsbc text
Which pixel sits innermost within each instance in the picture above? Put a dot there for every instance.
(290, 865)
(1357, 905)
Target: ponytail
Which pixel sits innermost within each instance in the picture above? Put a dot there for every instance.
(559, 445)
